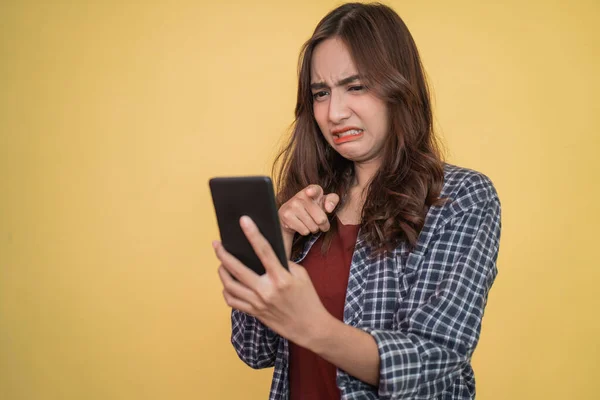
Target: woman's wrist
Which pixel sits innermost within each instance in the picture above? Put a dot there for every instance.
(324, 332)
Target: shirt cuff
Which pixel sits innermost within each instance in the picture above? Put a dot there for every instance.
(399, 364)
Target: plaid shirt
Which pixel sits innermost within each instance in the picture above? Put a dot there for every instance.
(423, 307)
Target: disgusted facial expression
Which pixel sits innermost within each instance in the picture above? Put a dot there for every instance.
(351, 118)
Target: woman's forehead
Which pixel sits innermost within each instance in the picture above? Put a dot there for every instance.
(331, 62)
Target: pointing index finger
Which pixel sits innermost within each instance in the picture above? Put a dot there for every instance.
(314, 191)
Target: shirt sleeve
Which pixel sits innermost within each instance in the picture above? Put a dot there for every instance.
(439, 333)
(255, 343)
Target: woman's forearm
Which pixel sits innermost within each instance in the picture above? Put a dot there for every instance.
(350, 349)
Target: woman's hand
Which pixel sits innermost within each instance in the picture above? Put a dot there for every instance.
(306, 213)
(285, 301)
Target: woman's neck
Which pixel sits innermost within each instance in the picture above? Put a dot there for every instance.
(351, 210)
(364, 173)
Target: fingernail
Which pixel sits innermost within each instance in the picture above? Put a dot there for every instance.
(245, 221)
(330, 205)
(215, 244)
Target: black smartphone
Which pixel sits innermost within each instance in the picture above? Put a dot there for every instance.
(253, 196)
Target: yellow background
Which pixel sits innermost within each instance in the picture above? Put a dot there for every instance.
(113, 117)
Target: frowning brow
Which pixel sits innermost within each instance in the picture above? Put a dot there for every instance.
(343, 82)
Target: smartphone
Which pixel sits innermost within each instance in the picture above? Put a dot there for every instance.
(253, 196)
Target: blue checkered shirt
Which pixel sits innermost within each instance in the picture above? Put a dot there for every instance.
(423, 307)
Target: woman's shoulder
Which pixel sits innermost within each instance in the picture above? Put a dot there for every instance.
(466, 185)
(464, 190)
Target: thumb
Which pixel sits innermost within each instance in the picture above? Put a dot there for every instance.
(296, 269)
(331, 201)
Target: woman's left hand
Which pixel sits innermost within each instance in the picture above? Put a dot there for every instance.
(285, 301)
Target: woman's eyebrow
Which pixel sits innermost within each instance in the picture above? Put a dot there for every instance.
(343, 82)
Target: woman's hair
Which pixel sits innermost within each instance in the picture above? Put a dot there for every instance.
(410, 178)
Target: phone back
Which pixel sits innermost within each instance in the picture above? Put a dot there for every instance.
(253, 196)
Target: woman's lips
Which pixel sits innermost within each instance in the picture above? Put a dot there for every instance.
(347, 135)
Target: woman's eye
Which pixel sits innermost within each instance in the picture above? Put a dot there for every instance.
(356, 88)
(319, 95)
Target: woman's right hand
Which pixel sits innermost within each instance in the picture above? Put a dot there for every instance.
(306, 213)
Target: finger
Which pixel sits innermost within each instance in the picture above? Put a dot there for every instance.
(297, 269)
(236, 289)
(292, 222)
(294, 268)
(318, 217)
(314, 192)
(236, 268)
(304, 212)
(263, 249)
(238, 304)
(331, 201)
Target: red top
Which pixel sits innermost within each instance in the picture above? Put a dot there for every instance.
(311, 377)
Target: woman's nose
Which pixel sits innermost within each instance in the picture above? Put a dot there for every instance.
(338, 109)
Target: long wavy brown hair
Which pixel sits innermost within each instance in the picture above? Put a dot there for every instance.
(410, 178)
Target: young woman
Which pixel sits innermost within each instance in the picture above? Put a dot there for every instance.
(393, 251)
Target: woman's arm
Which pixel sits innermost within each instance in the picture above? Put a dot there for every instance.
(254, 343)
(439, 335)
(350, 349)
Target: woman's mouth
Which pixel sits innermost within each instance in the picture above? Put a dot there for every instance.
(347, 136)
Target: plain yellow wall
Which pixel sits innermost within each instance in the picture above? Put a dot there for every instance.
(113, 117)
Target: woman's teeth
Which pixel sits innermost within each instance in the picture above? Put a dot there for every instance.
(350, 132)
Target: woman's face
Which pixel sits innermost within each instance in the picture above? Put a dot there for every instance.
(352, 120)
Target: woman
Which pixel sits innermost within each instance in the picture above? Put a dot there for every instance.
(394, 252)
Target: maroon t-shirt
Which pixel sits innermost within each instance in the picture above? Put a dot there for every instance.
(311, 377)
